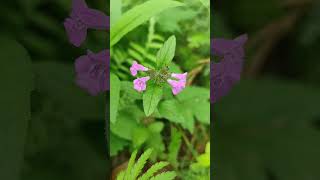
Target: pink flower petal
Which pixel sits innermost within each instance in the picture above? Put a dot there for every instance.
(181, 77)
(177, 86)
(140, 84)
(135, 67)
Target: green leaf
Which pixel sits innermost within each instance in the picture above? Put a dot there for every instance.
(140, 163)
(199, 108)
(138, 15)
(116, 144)
(114, 96)
(203, 160)
(139, 136)
(174, 146)
(156, 127)
(170, 175)
(128, 92)
(125, 124)
(169, 109)
(115, 11)
(194, 92)
(166, 52)
(121, 175)
(202, 111)
(16, 85)
(151, 98)
(130, 165)
(155, 168)
(178, 113)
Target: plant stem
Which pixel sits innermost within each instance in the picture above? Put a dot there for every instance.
(189, 145)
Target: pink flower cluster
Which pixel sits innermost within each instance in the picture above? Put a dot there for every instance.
(178, 83)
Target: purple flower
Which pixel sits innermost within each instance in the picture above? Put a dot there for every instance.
(226, 73)
(92, 72)
(177, 86)
(180, 77)
(140, 84)
(135, 67)
(231, 49)
(81, 19)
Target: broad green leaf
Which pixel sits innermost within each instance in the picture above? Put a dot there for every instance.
(151, 98)
(170, 110)
(194, 92)
(139, 136)
(128, 90)
(199, 108)
(166, 52)
(156, 127)
(16, 85)
(177, 112)
(116, 144)
(114, 96)
(138, 15)
(124, 125)
(188, 116)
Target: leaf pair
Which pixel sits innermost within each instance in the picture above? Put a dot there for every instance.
(154, 92)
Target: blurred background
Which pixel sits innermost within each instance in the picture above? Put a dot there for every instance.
(268, 128)
(49, 127)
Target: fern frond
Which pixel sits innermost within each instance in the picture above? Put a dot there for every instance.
(155, 168)
(130, 165)
(140, 164)
(170, 175)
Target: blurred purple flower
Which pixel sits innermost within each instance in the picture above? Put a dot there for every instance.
(135, 67)
(140, 84)
(81, 19)
(92, 72)
(226, 73)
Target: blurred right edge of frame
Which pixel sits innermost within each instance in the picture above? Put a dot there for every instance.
(267, 126)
